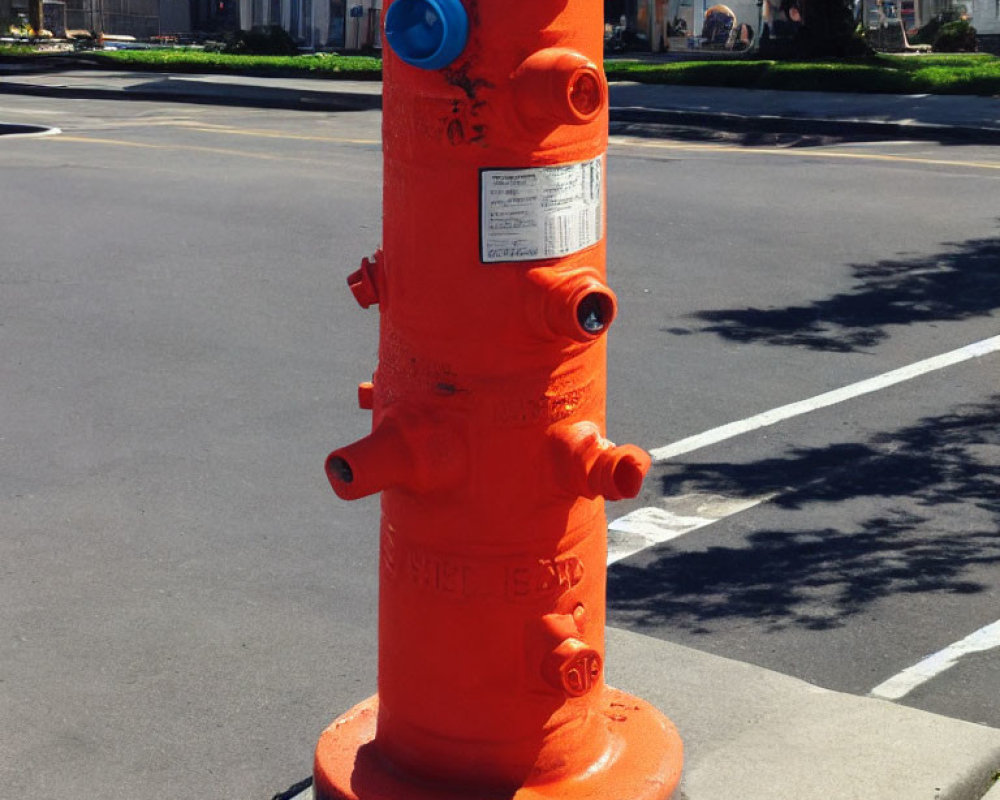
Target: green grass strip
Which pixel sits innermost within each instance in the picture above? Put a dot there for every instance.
(17, 50)
(195, 60)
(319, 64)
(975, 74)
(932, 74)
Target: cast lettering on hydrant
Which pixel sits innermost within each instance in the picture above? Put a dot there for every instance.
(488, 440)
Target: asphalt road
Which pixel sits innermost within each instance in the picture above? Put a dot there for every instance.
(755, 277)
(187, 604)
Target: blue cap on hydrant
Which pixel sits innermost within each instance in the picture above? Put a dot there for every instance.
(429, 34)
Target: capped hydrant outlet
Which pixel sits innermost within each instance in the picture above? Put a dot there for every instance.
(618, 472)
(559, 86)
(592, 466)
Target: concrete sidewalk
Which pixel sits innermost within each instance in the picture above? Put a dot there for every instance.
(936, 117)
(257, 92)
(758, 735)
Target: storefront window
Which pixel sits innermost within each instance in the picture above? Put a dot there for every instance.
(614, 10)
(308, 33)
(627, 24)
(338, 11)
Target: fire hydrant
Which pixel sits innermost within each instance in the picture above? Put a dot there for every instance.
(488, 424)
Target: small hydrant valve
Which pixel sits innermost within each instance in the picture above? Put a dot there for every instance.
(365, 281)
(488, 441)
(572, 666)
(366, 395)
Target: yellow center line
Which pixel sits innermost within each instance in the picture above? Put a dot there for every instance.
(207, 128)
(804, 153)
(616, 141)
(182, 147)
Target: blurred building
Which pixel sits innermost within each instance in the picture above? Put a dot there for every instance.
(142, 19)
(314, 24)
(657, 25)
(353, 25)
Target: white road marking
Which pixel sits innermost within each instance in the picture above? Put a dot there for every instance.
(676, 516)
(775, 415)
(797, 152)
(33, 134)
(647, 527)
(986, 638)
(653, 525)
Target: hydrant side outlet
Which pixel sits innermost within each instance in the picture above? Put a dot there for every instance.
(488, 440)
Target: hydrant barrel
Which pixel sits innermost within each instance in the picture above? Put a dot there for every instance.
(488, 440)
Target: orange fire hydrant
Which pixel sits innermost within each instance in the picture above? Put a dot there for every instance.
(488, 436)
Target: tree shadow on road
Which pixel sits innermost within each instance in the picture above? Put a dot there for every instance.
(817, 578)
(960, 283)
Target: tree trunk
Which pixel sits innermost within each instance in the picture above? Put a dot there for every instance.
(36, 17)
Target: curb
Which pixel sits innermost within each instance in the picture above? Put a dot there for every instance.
(333, 101)
(756, 734)
(741, 123)
(294, 100)
(763, 735)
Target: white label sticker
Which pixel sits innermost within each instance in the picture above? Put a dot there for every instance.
(545, 212)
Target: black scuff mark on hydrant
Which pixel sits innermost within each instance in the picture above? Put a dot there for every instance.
(480, 134)
(459, 77)
(456, 132)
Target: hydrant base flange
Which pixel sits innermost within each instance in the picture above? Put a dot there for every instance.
(643, 761)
